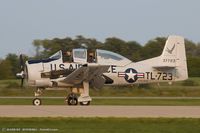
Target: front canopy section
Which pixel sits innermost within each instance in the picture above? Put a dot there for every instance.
(56, 56)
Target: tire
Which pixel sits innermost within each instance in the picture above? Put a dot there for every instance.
(37, 102)
(72, 99)
(85, 103)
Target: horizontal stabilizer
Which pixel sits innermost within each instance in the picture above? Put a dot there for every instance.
(163, 68)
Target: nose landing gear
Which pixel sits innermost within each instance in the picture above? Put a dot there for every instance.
(37, 101)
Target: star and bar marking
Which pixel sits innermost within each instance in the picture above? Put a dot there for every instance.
(131, 75)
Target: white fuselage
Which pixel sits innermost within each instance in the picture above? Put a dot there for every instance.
(133, 73)
(170, 66)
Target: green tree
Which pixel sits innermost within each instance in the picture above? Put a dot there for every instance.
(13, 60)
(6, 70)
(133, 51)
(197, 51)
(153, 48)
(190, 48)
(193, 66)
(45, 48)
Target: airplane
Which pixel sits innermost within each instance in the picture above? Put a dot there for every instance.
(80, 69)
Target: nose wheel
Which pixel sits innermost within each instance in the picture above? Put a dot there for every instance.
(37, 101)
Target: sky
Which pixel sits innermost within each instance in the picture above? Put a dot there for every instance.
(22, 21)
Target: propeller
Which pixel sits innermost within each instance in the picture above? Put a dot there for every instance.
(22, 82)
(21, 62)
(21, 75)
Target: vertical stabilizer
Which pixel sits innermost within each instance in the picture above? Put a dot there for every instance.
(174, 55)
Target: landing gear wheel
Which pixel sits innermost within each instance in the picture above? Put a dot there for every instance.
(85, 103)
(37, 102)
(72, 99)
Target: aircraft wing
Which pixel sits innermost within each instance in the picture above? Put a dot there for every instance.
(85, 73)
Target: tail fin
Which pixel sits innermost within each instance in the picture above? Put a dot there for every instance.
(174, 56)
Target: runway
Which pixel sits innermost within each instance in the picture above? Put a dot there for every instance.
(32, 97)
(100, 111)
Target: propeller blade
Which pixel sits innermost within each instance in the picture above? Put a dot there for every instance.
(22, 66)
(21, 62)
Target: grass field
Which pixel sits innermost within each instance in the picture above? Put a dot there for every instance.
(186, 88)
(100, 125)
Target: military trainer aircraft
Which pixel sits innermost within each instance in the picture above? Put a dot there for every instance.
(81, 69)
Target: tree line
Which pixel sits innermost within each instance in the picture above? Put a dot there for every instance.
(130, 49)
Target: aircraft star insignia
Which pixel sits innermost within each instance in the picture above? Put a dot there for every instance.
(131, 75)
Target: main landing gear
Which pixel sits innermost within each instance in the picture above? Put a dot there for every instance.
(72, 99)
(83, 99)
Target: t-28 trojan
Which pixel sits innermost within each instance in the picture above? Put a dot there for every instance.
(81, 69)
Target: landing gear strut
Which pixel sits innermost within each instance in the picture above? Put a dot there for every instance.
(84, 98)
(37, 101)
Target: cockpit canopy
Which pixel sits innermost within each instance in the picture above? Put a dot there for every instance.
(105, 57)
(102, 57)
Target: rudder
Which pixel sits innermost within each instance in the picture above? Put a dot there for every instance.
(174, 55)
